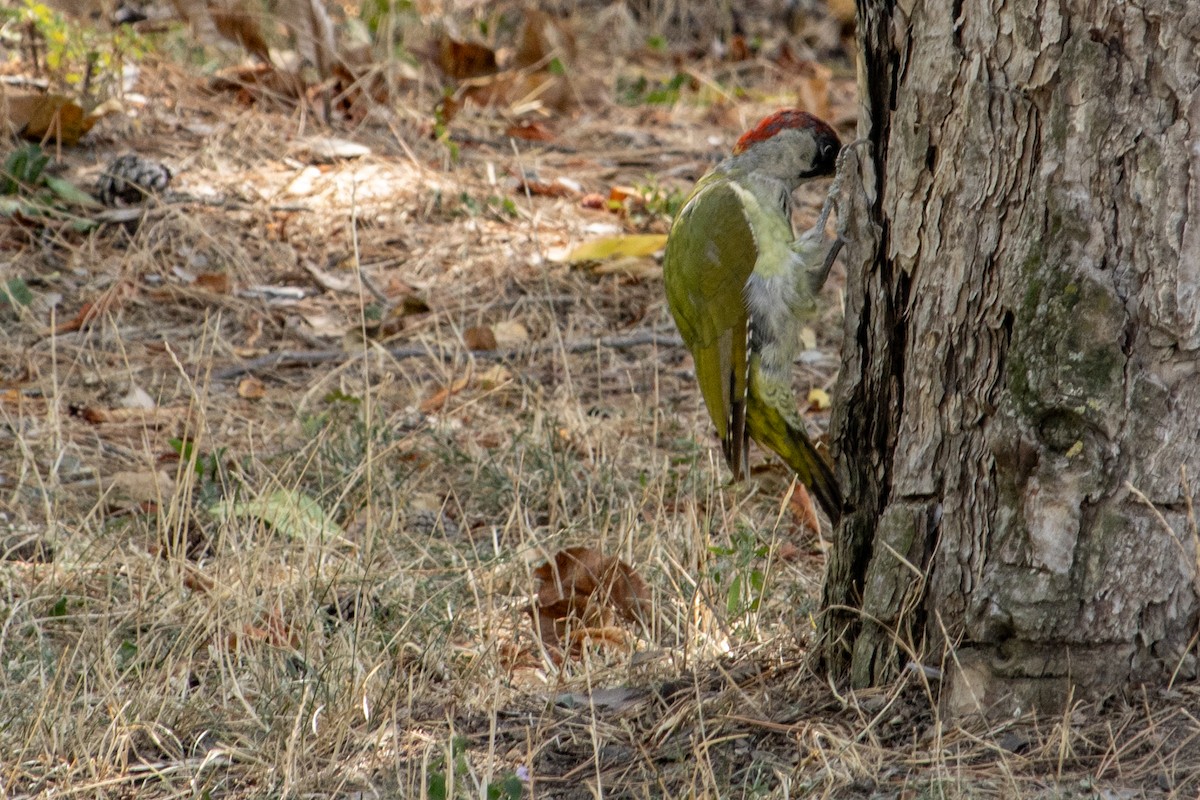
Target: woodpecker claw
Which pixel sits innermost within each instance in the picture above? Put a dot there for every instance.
(817, 277)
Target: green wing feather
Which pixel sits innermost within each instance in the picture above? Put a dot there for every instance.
(710, 255)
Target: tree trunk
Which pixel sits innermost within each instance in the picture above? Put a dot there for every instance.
(1019, 404)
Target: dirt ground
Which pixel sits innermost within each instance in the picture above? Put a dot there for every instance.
(282, 457)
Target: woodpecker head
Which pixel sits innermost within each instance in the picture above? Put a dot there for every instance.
(791, 146)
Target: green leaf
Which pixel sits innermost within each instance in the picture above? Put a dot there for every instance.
(509, 788)
(437, 786)
(15, 292)
(733, 598)
(291, 513)
(125, 654)
(71, 193)
(60, 608)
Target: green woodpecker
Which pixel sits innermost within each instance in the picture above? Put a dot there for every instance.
(739, 281)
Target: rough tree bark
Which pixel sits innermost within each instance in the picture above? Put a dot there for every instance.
(1022, 350)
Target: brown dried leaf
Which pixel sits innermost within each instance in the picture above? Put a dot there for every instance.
(38, 117)
(110, 300)
(411, 305)
(437, 400)
(606, 635)
(582, 590)
(250, 83)
(559, 187)
(802, 508)
(530, 131)
(461, 60)
(544, 38)
(238, 26)
(626, 197)
(739, 50)
(518, 92)
(215, 282)
(251, 388)
(479, 337)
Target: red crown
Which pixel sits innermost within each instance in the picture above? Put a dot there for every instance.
(781, 120)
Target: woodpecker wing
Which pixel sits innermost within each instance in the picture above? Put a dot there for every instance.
(710, 255)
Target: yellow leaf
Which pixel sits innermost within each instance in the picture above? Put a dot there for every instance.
(818, 399)
(632, 246)
(52, 116)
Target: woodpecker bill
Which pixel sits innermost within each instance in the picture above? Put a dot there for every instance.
(739, 283)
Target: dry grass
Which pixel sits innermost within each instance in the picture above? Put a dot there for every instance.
(154, 649)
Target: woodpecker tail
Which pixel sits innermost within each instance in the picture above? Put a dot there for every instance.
(770, 428)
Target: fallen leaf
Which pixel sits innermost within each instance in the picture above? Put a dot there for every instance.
(41, 117)
(800, 504)
(461, 60)
(625, 198)
(238, 26)
(295, 515)
(581, 593)
(544, 38)
(137, 487)
(331, 148)
(479, 337)
(70, 193)
(818, 399)
(632, 245)
(110, 300)
(413, 304)
(97, 415)
(510, 333)
(787, 552)
(251, 388)
(559, 187)
(249, 83)
(273, 631)
(215, 282)
(437, 400)
(139, 398)
(739, 50)
(530, 131)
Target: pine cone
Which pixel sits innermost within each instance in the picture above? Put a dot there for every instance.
(131, 179)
